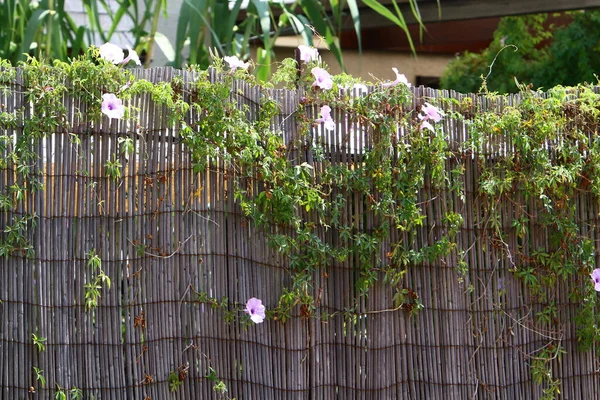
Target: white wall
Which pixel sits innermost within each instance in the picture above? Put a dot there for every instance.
(121, 37)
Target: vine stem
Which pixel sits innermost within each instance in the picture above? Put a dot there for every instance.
(170, 255)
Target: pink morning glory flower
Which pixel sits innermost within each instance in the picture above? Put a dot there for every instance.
(595, 275)
(429, 113)
(307, 53)
(235, 63)
(112, 106)
(322, 78)
(326, 118)
(400, 78)
(112, 53)
(427, 125)
(256, 310)
(132, 56)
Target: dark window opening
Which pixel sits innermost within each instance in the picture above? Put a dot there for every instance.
(428, 81)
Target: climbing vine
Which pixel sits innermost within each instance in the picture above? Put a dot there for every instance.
(536, 156)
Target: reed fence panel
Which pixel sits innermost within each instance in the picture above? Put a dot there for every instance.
(164, 233)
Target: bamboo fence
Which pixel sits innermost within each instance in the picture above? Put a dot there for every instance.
(164, 232)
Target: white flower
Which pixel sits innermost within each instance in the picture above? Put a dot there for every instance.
(235, 63)
(308, 54)
(112, 53)
(400, 78)
(132, 56)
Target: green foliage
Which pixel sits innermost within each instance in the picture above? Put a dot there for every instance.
(39, 341)
(218, 24)
(45, 29)
(574, 56)
(546, 148)
(39, 377)
(96, 282)
(219, 386)
(545, 55)
(546, 184)
(177, 377)
(60, 393)
(42, 29)
(76, 393)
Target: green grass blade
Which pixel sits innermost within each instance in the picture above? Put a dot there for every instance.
(355, 21)
(116, 19)
(181, 34)
(34, 25)
(322, 24)
(165, 46)
(398, 20)
(300, 25)
(262, 9)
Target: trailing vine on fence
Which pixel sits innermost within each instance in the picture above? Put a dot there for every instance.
(547, 151)
(554, 157)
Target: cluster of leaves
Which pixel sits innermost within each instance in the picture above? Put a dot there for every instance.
(297, 206)
(542, 51)
(542, 156)
(98, 279)
(219, 386)
(63, 394)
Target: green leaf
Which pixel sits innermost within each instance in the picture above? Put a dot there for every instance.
(300, 25)
(182, 32)
(34, 25)
(231, 16)
(165, 46)
(58, 49)
(316, 14)
(116, 18)
(91, 7)
(398, 20)
(263, 62)
(262, 9)
(356, 21)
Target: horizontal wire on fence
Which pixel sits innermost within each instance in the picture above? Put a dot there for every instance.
(504, 347)
(307, 389)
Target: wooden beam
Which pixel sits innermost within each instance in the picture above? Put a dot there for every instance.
(452, 10)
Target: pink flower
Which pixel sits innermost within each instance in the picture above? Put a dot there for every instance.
(429, 113)
(400, 78)
(112, 53)
(308, 54)
(426, 125)
(595, 275)
(326, 118)
(132, 55)
(112, 106)
(235, 63)
(256, 310)
(322, 78)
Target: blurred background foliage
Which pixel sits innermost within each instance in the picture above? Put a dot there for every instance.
(45, 29)
(547, 54)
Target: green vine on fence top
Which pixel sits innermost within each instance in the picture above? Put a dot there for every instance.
(547, 151)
